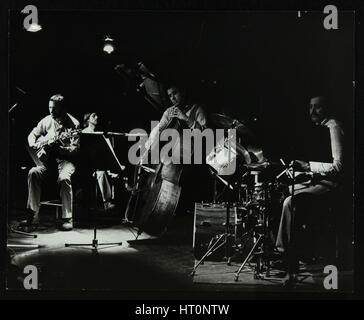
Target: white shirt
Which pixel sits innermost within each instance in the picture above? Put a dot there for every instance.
(49, 128)
(337, 151)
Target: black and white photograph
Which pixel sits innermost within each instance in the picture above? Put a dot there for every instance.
(194, 151)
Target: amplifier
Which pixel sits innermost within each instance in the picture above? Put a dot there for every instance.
(209, 222)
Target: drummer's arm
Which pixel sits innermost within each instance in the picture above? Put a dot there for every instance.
(319, 170)
(337, 146)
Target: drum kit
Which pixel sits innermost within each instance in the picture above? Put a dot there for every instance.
(256, 191)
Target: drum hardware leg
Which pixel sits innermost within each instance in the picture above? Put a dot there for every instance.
(227, 227)
(210, 243)
(209, 246)
(248, 257)
(267, 271)
(258, 274)
(215, 188)
(227, 242)
(22, 246)
(229, 261)
(210, 251)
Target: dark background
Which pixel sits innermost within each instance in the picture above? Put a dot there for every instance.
(250, 65)
(197, 5)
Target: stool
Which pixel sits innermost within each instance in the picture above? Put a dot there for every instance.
(53, 203)
(342, 234)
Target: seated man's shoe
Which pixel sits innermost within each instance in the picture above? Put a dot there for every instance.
(66, 224)
(28, 228)
(109, 206)
(30, 223)
(291, 282)
(278, 264)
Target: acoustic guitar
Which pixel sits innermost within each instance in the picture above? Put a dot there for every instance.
(42, 152)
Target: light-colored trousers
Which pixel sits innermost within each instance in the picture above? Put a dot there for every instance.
(36, 176)
(104, 185)
(303, 209)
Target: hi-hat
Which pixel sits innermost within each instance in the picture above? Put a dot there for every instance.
(246, 137)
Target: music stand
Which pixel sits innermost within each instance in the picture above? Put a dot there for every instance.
(97, 154)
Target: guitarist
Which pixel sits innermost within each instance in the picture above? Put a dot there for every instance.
(51, 128)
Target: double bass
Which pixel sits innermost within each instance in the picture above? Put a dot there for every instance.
(155, 194)
(156, 189)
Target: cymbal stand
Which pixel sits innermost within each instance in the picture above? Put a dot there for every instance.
(259, 248)
(220, 240)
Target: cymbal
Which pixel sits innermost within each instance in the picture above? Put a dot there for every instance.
(257, 165)
(226, 122)
(222, 120)
(267, 163)
(246, 138)
(243, 153)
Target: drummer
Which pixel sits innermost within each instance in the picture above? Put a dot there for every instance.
(307, 201)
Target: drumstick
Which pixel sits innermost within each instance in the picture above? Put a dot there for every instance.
(287, 170)
(148, 169)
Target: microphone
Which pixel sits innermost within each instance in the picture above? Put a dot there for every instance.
(21, 90)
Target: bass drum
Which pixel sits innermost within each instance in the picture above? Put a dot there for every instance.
(209, 225)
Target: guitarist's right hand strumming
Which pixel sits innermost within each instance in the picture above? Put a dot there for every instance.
(44, 147)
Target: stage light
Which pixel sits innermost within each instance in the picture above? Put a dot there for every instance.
(34, 27)
(108, 45)
(108, 48)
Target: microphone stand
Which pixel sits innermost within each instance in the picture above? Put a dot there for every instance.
(11, 142)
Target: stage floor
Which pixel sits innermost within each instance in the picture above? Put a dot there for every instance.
(145, 265)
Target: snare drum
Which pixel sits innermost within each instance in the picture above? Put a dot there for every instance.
(258, 190)
(259, 193)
